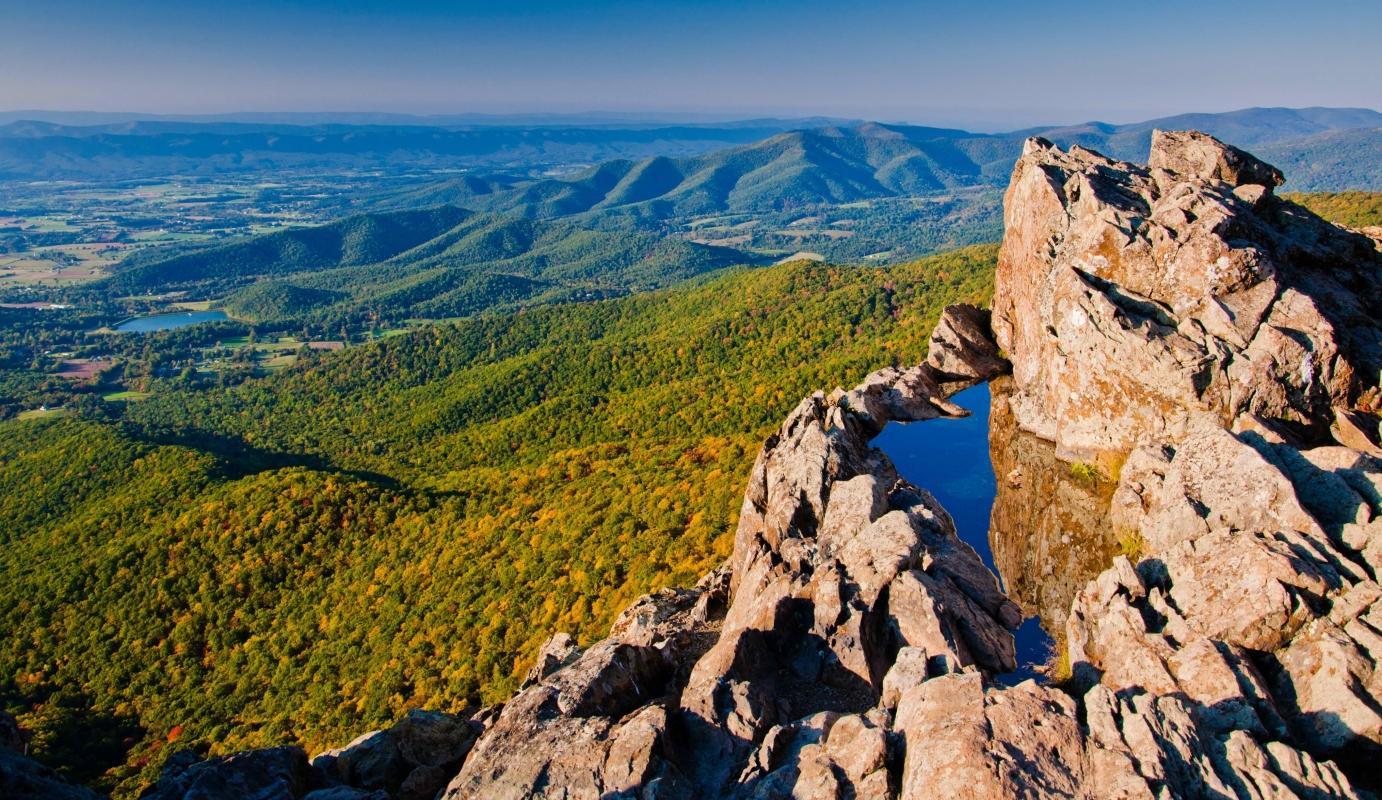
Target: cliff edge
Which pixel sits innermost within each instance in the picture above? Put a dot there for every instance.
(1212, 350)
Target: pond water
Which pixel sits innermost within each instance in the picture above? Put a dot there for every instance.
(949, 457)
(167, 322)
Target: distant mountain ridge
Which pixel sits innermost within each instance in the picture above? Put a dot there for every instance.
(581, 119)
(33, 150)
(815, 159)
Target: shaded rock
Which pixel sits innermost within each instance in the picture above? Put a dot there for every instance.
(413, 758)
(272, 774)
(370, 761)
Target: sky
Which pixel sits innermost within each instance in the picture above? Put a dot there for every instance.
(983, 64)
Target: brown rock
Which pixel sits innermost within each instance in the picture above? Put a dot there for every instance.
(962, 345)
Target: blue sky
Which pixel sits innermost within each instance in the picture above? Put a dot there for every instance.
(986, 63)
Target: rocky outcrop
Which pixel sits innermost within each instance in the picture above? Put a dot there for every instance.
(962, 345)
(1199, 362)
(1131, 299)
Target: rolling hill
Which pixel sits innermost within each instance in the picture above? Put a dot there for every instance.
(362, 239)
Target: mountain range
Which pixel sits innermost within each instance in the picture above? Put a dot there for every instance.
(873, 160)
(484, 240)
(836, 160)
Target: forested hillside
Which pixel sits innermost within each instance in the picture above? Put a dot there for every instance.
(436, 263)
(1354, 209)
(362, 239)
(399, 525)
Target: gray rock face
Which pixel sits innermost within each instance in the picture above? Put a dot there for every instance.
(1211, 351)
(412, 760)
(1191, 155)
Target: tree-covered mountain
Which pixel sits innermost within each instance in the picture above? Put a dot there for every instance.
(1353, 209)
(399, 525)
(628, 225)
(843, 165)
(1331, 161)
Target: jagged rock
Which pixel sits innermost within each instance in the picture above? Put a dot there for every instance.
(823, 757)
(912, 667)
(964, 742)
(1357, 430)
(558, 651)
(434, 739)
(370, 761)
(580, 731)
(908, 395)
(413, 759)
(1330, 681)
(837, 564)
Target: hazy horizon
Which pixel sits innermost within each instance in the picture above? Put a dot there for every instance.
(990, 65)
(978, 120)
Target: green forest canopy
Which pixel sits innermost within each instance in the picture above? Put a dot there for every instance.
(307, 555)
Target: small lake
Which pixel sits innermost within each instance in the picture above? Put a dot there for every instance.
(168, 322)
(949, 457)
